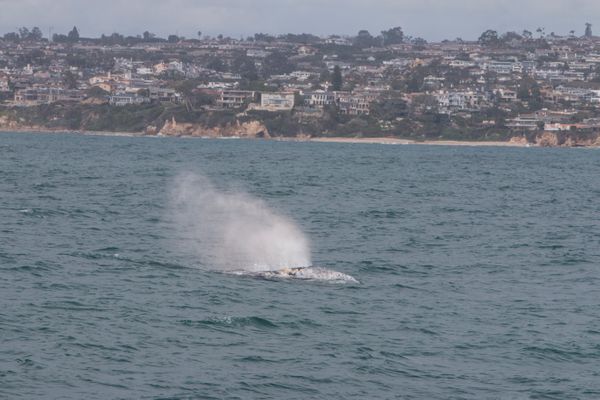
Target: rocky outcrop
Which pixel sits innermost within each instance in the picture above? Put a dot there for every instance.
(250, 129)
(18, 125)
(566, 139)
(547, 139)
(6, 123)
(519, 140)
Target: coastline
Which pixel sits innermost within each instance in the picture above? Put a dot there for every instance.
(339, 139)
(398, 141)
(41, 130)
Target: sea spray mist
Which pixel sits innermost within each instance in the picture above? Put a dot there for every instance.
(231, 230)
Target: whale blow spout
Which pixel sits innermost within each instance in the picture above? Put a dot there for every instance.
(228, 229)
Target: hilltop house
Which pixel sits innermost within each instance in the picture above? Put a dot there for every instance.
(353, 104)
(46, 95)
(164, 94)
(277, 101)
(4, 84)
(235, 98)
(125, 99)
(319, 99)
(465, 100)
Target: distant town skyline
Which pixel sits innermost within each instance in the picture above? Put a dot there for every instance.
(430, 19)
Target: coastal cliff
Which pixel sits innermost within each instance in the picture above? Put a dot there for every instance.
(565, 139)
(97, 120)
(249, 129)
(8, 124)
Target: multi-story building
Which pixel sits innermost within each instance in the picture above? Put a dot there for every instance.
(353, 104)
(46, 95)
(277, 101)
(319, 98)
(235, 98)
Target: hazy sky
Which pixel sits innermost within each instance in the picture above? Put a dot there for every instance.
(431, 19)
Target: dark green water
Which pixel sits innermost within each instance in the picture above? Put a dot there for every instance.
(479, 271)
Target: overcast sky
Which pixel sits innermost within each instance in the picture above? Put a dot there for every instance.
(430, 19)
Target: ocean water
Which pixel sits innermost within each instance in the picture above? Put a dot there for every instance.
(478, 267)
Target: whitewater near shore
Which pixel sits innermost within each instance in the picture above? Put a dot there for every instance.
(387, 140)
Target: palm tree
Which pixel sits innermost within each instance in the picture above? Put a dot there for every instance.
(541, 31)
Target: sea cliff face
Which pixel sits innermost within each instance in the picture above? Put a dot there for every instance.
(560, 139)
(7, 124)
(257, 129)
(250, 129)
(557, 139)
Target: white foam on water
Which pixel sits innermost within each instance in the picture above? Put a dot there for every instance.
(317, 274)
(233, 232)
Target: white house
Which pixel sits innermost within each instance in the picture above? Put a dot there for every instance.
(277, 101)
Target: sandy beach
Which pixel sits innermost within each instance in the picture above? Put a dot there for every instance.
(385, 140)
(67, 131)
(350, 140)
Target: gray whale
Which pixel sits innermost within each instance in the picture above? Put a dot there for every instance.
(304, 273)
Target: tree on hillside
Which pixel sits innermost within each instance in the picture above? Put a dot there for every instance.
(148, 36)
(510, 36)
(415, 79)
(59, 38)
(73, 36)
(336, 79)
(263, 37)
(113, 39)
(24, 33)
(419, 43)
(36, 34)
(97, 92)
(277, 63)
(424, 103)
(489, 38)
(541, 31)
(529, 91)
(389, 109)
(303, 38)
(541, 125)
(324, 76)
(11, 37)
(70, 80)
(393, 36)
(588, 30)
(216, 64)
(364, 39)
(246, 67)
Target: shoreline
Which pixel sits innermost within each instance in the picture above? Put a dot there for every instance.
(339, 139)
(398, 141)
(37, 130)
